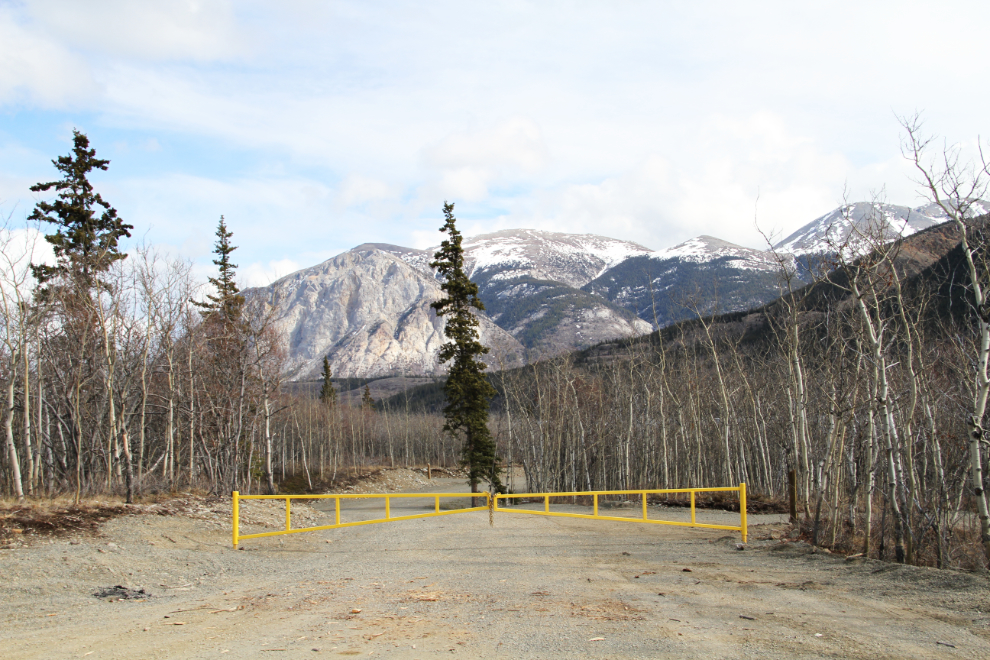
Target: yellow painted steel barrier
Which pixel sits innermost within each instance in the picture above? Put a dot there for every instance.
(489, 504)
(595, 494)
(237, 536)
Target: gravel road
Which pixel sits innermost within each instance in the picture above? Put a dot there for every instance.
(529, 587)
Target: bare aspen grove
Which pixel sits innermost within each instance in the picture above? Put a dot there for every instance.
(870, 384)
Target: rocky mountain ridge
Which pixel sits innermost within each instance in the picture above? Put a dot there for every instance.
(369, 312)
(544, 292)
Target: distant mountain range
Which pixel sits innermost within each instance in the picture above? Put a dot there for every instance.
(368, 309)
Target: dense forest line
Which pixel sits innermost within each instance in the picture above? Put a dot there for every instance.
(870, 384)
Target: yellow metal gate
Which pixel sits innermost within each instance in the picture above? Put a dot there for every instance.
(492, 504)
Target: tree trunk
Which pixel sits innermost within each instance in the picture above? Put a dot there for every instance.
(8, 423)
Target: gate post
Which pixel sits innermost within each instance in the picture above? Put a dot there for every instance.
(234, 508)
(742, 510)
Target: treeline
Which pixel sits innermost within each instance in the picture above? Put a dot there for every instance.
(870, 385)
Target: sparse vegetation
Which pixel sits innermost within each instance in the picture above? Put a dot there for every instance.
(867, 384)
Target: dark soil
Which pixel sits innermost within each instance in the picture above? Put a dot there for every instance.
(54, 520)
(755, 502)
(119, 592)
(20, 523)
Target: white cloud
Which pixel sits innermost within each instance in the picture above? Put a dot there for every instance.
(358, 190)
(152, 29)
(263, 274)
(19, 249)
(510, 148)
(38, 71)
(317, 126)
(422, 239)
(464, 165)
(722, 167)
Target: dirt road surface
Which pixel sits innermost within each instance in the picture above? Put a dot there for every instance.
(529, 587)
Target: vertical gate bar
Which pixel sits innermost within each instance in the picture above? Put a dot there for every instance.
(336, 517)
(288, 520)
(388, 508)
(596, 503)
(235, 508)
(546, 504)
(692, 507)
(437, 498)
(742, 510)
(644, 505)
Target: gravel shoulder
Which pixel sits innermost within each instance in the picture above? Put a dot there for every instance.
(529, 587)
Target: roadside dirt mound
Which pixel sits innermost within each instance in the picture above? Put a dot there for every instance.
(386, 480)
(19, 521)
(367, 480)
(20, 524)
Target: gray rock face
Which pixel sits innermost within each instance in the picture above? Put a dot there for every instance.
(369, 312)
(529, 282)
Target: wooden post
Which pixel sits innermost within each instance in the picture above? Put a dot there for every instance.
(792, 491)
(429, 472)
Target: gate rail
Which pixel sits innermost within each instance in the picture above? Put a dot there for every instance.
(741, 489)
(492, 505)
(237, 497)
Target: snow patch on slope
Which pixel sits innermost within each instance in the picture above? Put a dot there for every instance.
(846, 223)
(573, 259)
(704, 249)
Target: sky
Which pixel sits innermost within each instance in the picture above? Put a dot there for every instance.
(316, 126)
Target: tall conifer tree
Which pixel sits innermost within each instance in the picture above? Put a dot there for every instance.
(86, 240)
(468, 390)
(328, 395)
(228, 303)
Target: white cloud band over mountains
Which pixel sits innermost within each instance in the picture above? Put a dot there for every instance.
(314, 127)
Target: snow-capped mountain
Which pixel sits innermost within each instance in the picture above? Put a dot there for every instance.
(368, 309)
(703, 275)
(529, 282)
(545, 292)
(977, 207)
(571, 259)
(846, 225)
(704, 249)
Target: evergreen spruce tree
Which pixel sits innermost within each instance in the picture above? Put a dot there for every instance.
(227, 368)
(328, 395)
(86, 241)
(228, 303)
(366, 401)
(467, 389)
